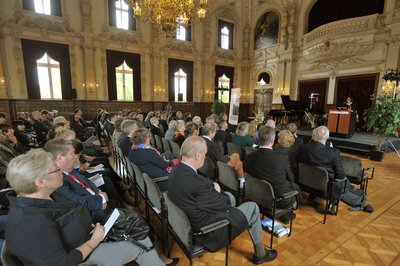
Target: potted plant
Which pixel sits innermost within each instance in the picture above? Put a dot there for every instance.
(218, 107)
(383, 118)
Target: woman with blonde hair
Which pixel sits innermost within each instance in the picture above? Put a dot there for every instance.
(242, 137)
(285, 145)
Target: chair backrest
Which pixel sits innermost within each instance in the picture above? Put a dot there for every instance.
(249, 150)
(313, 177)
(227, 175)
(208, 168)
(260, 191)
(176, 150)
(220, 145)
(352, 167)
(166, 145)
(159, 145)
(129, 169)
(139, 177)
(153, 192)
(234, 148)
(153, 141)
(162, 129)
(178, 221)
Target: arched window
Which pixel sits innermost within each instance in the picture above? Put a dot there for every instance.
(224, 88)
(46, 7)
(264, 79)
(122, 14)
(49, 78)
(180, 82)
(124, 78)
(224, 38)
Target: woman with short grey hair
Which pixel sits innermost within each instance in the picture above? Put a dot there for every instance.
(45, 228)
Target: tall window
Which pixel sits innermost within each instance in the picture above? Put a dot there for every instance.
(180, 81)
(225, 38)
(122, 14)
(49, 78)
(42, 7)
(223, 88)
(225, 34)
(124, 78)
(181, 33)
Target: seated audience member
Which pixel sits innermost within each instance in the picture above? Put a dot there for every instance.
(197, 120)
(163, 121)
(139, 121)
(117, 131)
(22, 137)
(285, 145)
(110, 123)
(212, 119)
(179, 136)
(252, 128)
(273, 167)
(75, 186)
(47, 118)
(9, 146)
(125, 142)
(3, 118)
(148, 159)
(242, 137)
(40, 129)
(298, 141)
(154, 126)
(27, 122)
(45, 228)
(223, 135)
(317, 153)
(204, 203)
(75, 124)
(192, 129)
(216, 154)
(270, 123)
(171, 130)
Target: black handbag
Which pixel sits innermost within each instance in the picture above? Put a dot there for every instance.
(130, 226)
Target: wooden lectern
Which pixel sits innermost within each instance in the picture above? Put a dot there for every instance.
(341, 123)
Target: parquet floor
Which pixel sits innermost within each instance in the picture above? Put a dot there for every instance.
(351, 238)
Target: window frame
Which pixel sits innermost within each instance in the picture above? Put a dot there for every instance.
(49, 66)
(173, 66)
(229, 72)
(55, 7)
(112, 17)
(124, 73)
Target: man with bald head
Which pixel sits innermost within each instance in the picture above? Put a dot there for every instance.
(204, 203)
(316, 153)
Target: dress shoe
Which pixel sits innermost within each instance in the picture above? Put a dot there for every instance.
(173, 262)
(270, 255)
(330, 209)
(286, 218)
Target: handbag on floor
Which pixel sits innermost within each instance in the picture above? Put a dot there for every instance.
(130, 226)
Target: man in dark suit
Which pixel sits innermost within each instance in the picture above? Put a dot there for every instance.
(154, 126)
(273, 167)
(204, 203)
(316, 153)
(76, 187)
(223, 135)
(125, 140)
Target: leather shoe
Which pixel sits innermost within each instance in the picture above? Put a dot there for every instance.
(270, 255)
(173, 262)
(330, 209)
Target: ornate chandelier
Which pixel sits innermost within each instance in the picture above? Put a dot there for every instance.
(168, 15)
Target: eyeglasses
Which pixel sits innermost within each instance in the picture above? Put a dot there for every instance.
(54, 171)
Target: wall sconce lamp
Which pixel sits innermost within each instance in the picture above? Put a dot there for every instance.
(210, 94)
(90, 85)
(158, 91)
(280, 91)
(3, 82)
(245, 95)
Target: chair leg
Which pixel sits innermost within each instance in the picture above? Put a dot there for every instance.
(272, 232)
(226, 255)
(291, 223)
(326, 209)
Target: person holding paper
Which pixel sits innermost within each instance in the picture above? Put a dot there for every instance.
(45, 228)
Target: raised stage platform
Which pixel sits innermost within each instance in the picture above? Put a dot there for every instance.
(360, 143)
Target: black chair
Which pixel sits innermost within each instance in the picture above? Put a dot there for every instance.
(181, 230)
(209, 169)
(249, 150)
(176, 150)
(7, 259)
(234, 148)
(166, 145)
(315, 180)
(229, 180)
(261, 192)
(355, 173)
(159, 145)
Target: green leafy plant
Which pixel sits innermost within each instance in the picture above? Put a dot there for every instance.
(218, 107)
(383, 118)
